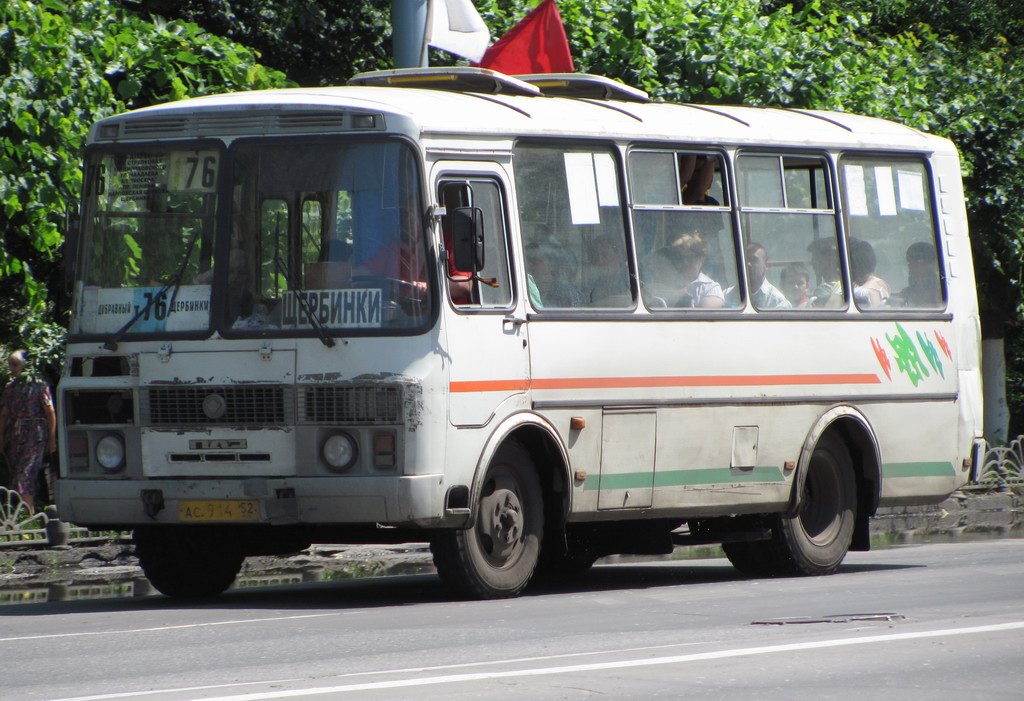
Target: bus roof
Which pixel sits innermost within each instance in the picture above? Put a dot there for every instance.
(475, 104)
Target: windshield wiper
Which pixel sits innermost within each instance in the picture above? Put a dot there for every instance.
(297, 290)
(111, 343)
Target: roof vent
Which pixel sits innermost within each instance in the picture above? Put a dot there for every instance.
(453, 79)
(584, 85)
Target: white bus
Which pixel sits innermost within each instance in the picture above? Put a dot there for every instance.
(533, 321)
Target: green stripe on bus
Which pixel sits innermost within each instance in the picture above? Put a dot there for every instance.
(680, 478)
(725, 475)
(918, 469)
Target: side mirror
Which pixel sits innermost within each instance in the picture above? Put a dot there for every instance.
(468, 239)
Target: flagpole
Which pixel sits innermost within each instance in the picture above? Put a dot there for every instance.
(408, 25)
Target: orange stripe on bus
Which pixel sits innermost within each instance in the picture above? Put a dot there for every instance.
(490, 386)
(651, 382)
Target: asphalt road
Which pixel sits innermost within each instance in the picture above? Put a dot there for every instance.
(942, 621)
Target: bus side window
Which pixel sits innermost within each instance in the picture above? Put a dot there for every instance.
(890, 223)
(491, 287)
(574, 235)
(683, 228)
(787, 209)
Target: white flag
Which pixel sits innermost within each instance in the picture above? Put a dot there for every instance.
(455, 26)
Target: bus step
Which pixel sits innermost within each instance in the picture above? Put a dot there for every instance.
(723, 537)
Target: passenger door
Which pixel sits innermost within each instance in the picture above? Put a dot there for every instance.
(485, 323)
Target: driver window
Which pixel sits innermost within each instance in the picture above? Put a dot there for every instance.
(491, 286)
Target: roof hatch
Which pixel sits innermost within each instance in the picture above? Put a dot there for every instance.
(454, 79)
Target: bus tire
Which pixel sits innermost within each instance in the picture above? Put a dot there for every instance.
(187, 562)
(816, 540)
(566, 564)
(753, 559)
(496, 558)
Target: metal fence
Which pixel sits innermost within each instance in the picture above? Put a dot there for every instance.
(1001, 469)
(20, 528)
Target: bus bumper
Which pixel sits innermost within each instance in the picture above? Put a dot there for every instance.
(415, 500)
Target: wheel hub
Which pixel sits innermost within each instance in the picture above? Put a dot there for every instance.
(504, 527)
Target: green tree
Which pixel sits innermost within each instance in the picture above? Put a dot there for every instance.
(64, 64)
(315, 42)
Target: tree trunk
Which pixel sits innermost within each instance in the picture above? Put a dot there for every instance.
(993, 369)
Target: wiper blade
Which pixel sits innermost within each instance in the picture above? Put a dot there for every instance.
(297, 290)
(111, 343)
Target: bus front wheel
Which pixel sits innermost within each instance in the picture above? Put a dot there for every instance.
(187, 562)
(497, 556)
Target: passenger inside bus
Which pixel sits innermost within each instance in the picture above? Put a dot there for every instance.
(825, 260)
(869, 290)
(698, 173)
(923, 289)
(763, 294)
(548, 283)
(691, 286)
(795, 282)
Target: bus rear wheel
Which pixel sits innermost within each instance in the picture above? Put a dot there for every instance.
(497, 557)
(187, 562)
(754, 559)
(815, 541)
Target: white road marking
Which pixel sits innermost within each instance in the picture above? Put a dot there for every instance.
(164, 628)
(622, 664)
(518, 660)
(140, 694)
(409, 670)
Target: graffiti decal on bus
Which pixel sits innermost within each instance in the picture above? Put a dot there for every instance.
(913, 359)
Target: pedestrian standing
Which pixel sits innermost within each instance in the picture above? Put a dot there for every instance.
(28, 426)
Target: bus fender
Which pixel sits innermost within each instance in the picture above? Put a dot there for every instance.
(506, 430)
(860, 438)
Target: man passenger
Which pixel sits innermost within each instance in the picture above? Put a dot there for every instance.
(763, 294)
(924, 289)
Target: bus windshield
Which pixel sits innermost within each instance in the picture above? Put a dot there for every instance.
(326, 235)
(323, 237)
(149, 222)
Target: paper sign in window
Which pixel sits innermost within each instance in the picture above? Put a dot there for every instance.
(607, 183)
(582, 183)
(856, 194)
(911, 190)
(886, 192)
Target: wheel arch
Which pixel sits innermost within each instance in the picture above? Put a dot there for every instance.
(542, 442)
(850, 426)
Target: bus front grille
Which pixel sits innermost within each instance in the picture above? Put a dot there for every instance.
(244, 405)
(351, 404)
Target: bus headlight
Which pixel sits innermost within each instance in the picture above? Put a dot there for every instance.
(110, 452)
(340, 451)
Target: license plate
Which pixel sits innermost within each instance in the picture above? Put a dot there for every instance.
(219, 510)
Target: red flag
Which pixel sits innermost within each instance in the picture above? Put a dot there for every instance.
(537, 44)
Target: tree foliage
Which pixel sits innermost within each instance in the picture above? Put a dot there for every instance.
(315, 42)
(64, 64)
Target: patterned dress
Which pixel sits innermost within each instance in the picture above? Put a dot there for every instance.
(25, 443)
